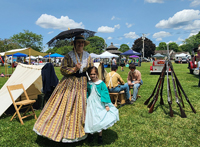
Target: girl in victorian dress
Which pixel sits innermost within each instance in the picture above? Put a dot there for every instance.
(63, 117)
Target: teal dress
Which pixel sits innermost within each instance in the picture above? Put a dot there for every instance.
(97, 117)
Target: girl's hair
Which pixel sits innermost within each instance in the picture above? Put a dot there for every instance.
(90, 69)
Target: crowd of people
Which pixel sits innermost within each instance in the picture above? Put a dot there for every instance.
(78, 108)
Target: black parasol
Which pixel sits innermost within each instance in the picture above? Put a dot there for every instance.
(69, 34)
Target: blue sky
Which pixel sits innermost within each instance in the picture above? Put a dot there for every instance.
(117, 21)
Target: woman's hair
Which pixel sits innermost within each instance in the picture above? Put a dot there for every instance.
(90, 69)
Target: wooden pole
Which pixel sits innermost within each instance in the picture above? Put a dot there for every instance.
(5, 65)
(29, 56)
(12, 63)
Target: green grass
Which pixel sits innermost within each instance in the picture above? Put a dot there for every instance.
(136, 126)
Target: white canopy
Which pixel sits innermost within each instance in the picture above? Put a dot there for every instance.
(29, 76)
(32, 57)
(181, 55)
(40, 57)
(107, 54)
(93, 55)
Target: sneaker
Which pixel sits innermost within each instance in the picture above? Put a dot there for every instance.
(128, 102)
(132, 101)
(100, 140)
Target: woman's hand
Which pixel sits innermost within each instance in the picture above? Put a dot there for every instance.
(107, 108)
(78, 66)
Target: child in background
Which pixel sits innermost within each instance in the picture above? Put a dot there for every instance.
(101, 113)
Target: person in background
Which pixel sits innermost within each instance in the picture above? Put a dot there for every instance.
(113, 61)
(63, 116)
(198, 60)
(134, 79)
(115, 83)
(122, 64)
(101, 113)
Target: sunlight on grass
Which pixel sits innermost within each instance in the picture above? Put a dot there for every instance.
(136, 126)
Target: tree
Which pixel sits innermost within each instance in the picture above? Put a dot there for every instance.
(174, 46)
(97, 44)
(124, 48)
(7, 44)
(149, 46)
(28, 39)
(162, 46)
(192, 42)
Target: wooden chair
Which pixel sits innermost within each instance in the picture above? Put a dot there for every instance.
(131, 87)
(22, 104)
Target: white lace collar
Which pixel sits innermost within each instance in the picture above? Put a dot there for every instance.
(84, 59)
(96, 83)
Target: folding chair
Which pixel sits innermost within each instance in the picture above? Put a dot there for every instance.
(22, 104)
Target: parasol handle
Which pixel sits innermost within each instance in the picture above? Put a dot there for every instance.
(75, 53)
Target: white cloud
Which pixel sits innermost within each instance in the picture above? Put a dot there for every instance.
(179, 39)
(109, 38)
(195, 3)
(115, 18)
(120, 38)
(129, 25)
(62, 23)
(193, 26)
(105, 29)
(169, 42)
(131, 35)
(193, 32)
(117, 26)
(159, 39)
(181, 18)
(128, 43)
(50, 32)
(161, 34)
(154, 1)
(116, 44)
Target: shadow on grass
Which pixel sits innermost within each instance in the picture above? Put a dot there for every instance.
(109, 137)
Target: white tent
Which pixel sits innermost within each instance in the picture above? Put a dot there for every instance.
(107, 54)
(32, 57)
(182, 55)
(30, 77)
(93, 55)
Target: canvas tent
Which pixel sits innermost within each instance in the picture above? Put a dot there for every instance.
(93, 55)
(27, 51)
(130, 52)
(107, 54)
(29, 76)
(182, 55)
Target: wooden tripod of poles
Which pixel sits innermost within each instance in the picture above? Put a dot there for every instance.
(176, 86)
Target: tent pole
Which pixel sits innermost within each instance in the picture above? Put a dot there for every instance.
(12, 63)
(29, 56)
(5, 65)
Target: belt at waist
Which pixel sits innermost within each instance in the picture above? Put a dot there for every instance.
(77, 74)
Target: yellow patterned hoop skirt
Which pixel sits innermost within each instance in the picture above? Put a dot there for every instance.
(63, 116)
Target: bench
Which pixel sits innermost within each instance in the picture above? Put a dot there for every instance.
(118, 96)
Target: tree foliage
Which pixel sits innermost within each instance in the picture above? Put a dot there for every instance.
(7, 44)
(191, 42)
(174, 46)
(28, 39)
(162, 46)
(124, 48)
(149, 46)
(97, 44)
(63, 46)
